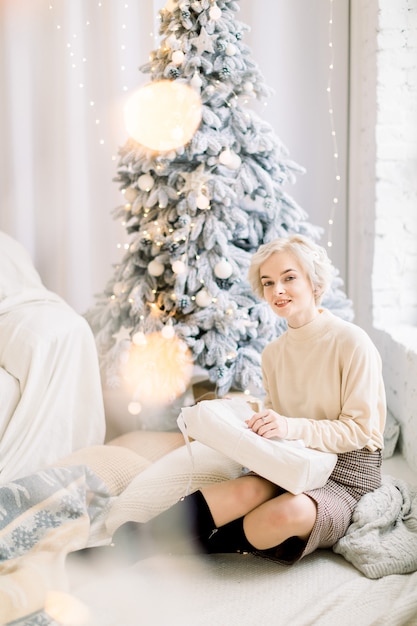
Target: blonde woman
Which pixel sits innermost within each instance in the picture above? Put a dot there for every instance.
(323, 385)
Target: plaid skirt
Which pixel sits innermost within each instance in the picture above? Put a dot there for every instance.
(355, 473)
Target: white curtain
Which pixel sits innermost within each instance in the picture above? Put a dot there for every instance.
(66, 69)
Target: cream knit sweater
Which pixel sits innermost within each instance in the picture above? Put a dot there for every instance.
(326, 378)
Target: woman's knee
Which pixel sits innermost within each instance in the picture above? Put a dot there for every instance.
(296, 512)
(231, 499)
(251, 491)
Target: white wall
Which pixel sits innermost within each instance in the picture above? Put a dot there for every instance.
(383, 196)
(56, 177)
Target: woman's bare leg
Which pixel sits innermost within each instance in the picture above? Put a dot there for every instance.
(231, 499)
(280, 518)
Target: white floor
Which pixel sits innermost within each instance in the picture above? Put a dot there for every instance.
(190, 592)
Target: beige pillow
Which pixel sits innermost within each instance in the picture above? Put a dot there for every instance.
(166, 481)
(123, 458)
(116, 466)
(149, 444)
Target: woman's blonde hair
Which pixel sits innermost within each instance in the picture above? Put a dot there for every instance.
(312, 257)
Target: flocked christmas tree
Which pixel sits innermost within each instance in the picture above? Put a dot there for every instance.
(179, 298)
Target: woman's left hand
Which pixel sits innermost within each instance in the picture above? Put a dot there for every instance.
(268, 424)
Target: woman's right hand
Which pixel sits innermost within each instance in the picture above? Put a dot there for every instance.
(268, 424)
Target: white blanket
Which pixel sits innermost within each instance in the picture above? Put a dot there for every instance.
(382, 538)
(50, 389)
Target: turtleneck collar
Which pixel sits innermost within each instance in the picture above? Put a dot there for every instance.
(315, 327)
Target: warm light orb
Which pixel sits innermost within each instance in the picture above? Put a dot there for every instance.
(134, 408)
(163, 115)
(66, 609)
(158, 371)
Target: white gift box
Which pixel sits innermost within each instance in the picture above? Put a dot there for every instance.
(220, 424)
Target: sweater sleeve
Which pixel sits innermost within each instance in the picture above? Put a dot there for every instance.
(363, 410)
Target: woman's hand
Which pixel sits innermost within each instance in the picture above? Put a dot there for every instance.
(268, 424)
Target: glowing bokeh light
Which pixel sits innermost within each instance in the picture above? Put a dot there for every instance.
(163, 115)
(158, 371)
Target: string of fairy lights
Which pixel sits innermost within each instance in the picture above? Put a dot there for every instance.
(74, 42)
(336, 172)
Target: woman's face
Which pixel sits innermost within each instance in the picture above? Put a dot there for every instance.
(287, 289)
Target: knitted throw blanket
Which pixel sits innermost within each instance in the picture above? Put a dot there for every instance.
(382, 538)
(43, 517)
